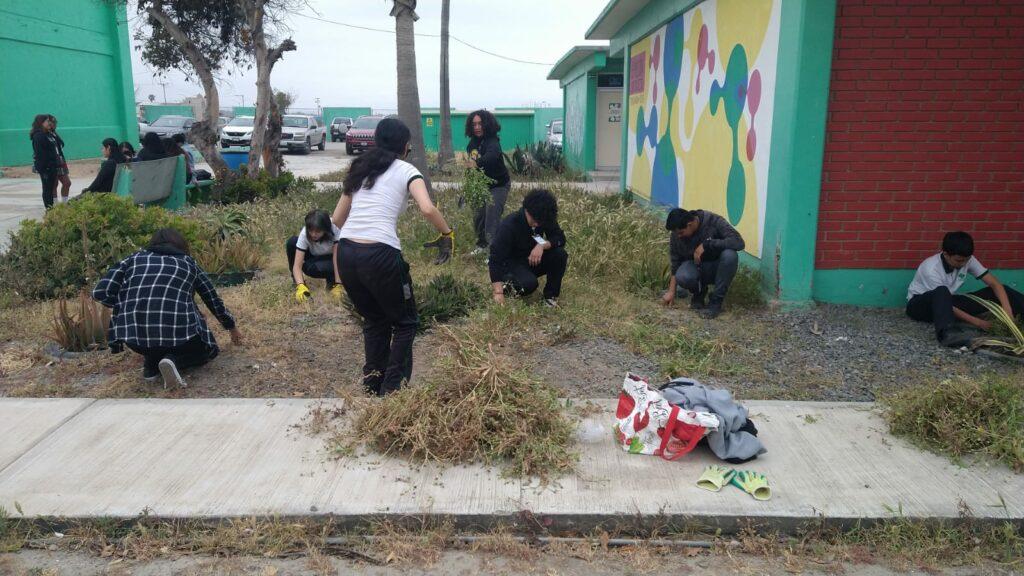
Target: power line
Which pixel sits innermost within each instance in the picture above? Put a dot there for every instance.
(427, 35)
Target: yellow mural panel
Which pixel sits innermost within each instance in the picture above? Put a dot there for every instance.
(743, 22)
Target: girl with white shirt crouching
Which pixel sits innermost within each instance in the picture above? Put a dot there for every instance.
(373, 272)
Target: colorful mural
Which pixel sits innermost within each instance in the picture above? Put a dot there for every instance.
(701, 94)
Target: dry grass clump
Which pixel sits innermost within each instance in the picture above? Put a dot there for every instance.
(477, 406)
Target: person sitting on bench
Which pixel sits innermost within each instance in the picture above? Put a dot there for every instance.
(314, 252)
(529, 244)
(703, 250)
(932, 297)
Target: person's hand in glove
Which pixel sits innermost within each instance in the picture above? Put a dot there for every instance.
(302, 293)
(337, 292)
(445, 244)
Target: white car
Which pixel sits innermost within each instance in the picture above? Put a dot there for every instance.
(237, 132)
(302, 133)
(555, 134)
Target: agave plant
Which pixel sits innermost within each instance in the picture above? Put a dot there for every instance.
(227, 222)
(84, 331)
(1014, 342)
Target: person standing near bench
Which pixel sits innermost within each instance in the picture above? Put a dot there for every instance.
(484, 151)
(314, 253)
(932, 297)
(46, 160)
(63, 173)
(703, 250)
(529, 244)
(152, 293)
(373, 272)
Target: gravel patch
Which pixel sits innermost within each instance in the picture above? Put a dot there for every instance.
(589, 368)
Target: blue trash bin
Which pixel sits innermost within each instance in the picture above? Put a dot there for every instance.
(235, 157)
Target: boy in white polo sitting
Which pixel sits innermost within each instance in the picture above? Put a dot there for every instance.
(932, 295)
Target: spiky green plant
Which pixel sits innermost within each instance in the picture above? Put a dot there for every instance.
(1014, 342)
(84, 331)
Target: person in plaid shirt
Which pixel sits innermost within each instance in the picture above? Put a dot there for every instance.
(152, 293)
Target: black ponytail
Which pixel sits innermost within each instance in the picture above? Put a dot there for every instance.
(391, 138)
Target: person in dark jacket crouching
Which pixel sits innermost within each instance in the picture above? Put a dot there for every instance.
(152, 293)
(703, 250)
(527, 245)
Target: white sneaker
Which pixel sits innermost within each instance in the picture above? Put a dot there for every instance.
(551, 302)
(478, 251)
(170, 373)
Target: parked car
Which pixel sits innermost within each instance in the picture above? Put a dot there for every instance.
(360, 135)
(221, 121)
(167, 126)
(237, 132)
(301, 132)
(339, 127)
(555, 134)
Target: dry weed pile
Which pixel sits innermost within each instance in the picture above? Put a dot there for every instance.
(477, 406)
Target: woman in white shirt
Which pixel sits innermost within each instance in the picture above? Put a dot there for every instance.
(314, 253)
(373, 272)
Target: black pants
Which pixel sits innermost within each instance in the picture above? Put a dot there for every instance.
(49, 181)
(312, 266)
(193, 353)
(720, 272)
(522, 278)
(376, 279)
(937, 305)
(488, 216)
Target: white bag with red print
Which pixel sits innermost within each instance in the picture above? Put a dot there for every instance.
(647, 424)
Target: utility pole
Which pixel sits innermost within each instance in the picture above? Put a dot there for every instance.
(163, 84)
(242, 96)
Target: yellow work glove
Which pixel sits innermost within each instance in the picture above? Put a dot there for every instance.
(753, 483)
(445, 244)
(302, 293)
(337, 292)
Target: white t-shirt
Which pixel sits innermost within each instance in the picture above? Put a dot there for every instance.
(375, 211)
(933, 273)
(322, 247)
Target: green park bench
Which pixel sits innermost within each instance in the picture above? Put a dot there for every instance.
(160, 183)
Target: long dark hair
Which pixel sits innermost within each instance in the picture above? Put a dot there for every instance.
(152, 142)
(320, 221)
(115, 150)
(391, 138)
(168, 238)
(126, 145)
(172, 148)
(37, 124)
(491, 125)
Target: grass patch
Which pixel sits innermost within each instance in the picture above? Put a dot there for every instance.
(335, 176)
(478, 405)
(963, 416)
(679, 351)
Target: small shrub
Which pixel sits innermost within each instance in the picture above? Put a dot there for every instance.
(649, 275)
(227, 222)
(239, 187)
(745, 290)
(476, 187)
(1008, 335)
(78, 241)
(231, 254)
(963, 416)
(84, 331)
(445, 298)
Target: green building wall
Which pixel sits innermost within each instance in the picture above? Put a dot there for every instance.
(244, 110)
(69, 58)
(541, 118)
(353, 112)
(518, 127)
(580, 102)
(152, 112)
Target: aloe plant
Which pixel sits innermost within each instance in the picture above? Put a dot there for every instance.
(84, 331)
(1014, 342)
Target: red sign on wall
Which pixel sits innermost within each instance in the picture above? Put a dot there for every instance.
(637, 73)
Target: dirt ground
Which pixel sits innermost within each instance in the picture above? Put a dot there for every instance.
(468, 563)
(85, 168)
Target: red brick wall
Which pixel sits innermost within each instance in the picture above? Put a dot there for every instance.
(925, 132)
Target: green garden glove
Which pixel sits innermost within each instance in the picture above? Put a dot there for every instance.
(715, 477)
(753, 483)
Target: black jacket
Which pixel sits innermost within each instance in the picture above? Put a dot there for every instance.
(714, 232)
(104, 181)
(146, 154)
(514, 241)
(490, 158)
(45, 158)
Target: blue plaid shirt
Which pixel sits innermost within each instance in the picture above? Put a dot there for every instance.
(152, 294)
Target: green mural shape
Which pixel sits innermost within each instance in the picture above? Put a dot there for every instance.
(733, 94)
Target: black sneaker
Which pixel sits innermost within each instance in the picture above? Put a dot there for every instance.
(150, 375)
(697, 302)
(954, 337)
(171, 375)
(711, 311)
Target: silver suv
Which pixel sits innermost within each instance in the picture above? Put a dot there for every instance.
(302, 133)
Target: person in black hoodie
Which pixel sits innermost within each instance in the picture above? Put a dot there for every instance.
(45, 158)
(152, 148)
(484, 151)
(529, 244)
(703, 250)
(112, 156)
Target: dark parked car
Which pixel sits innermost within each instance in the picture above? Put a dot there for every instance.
(167, 126)
(360, 135)
(339, 128)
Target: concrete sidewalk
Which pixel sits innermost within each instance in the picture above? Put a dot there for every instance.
(221, 458)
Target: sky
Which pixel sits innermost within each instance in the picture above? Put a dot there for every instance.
(344, 66)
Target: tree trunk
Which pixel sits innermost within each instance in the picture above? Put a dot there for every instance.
(265, 143)
(408, 88)
(445, 152)
(272, 159)
(203, 135)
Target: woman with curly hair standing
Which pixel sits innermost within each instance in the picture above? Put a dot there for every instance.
(484, 151)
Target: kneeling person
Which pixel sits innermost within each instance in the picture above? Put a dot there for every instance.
(527, 245)
(314, 252)
(703, 251)
(932, 295)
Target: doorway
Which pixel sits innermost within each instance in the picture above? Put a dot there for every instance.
(609, 129)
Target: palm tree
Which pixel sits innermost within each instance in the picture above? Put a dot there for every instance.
(404, 13)
(445, 152)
